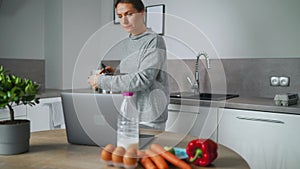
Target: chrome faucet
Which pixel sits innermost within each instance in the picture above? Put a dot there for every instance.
(196, 85)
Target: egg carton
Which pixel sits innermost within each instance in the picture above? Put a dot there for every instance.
(286, 99)
(119, 165)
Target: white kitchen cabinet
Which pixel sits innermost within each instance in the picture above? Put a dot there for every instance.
(19, 111)
(265, 140)
(194, 120)
(41, 115)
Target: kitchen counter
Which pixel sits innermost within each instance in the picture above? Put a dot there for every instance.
(246, 103)
(261, 104)
(49, 149)
(46, 93)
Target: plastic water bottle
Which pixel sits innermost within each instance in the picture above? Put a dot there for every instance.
(128, 122)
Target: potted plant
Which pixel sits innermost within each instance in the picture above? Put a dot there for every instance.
(15, 133)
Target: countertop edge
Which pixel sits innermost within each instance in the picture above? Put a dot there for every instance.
(245, 103)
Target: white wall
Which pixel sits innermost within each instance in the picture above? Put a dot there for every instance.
(237, 29)
(53, 43)
(54, 30)
(229, 29)
(80, 20)
(57, 30)
(22, 29)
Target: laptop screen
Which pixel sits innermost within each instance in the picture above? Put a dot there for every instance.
(91, 118)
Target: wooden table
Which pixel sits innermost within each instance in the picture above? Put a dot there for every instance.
(50, 150)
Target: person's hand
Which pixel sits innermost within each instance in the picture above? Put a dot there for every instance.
(93, 81)
(109, 69)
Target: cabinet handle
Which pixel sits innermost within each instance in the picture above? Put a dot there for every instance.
(180, 111)
(260, 119)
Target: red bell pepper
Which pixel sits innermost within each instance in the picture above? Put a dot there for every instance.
(202, 152)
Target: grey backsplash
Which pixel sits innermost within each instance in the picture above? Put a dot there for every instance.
(251, 77)
(246, 77)
(26, 68)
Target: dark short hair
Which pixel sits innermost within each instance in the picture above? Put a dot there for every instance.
(137, 4)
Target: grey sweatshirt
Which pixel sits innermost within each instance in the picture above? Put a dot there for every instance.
(145, 63)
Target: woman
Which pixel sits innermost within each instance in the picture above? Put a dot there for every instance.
(144, 62)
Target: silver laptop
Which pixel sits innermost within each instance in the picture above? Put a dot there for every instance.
(91, 118)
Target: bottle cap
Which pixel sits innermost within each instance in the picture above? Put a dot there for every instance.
(127, 93)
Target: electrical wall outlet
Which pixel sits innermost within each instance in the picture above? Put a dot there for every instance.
(274, 81)
(284, 81)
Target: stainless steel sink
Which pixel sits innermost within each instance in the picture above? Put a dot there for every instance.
(203, 96)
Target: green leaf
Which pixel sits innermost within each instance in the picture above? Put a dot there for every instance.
(37, 100)
(3, 104)
(2, 94)
(8, 94)
(27, 89)
(18, 80)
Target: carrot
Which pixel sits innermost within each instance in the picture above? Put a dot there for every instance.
(158, 160)
(145, 160)
(147, 163)
(156, 148)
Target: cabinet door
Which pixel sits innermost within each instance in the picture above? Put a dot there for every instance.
(266, 140)
(41, 115)
(196, 121)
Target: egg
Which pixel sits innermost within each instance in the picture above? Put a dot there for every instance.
(130, 158)
(117, 156)
(106, 153)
